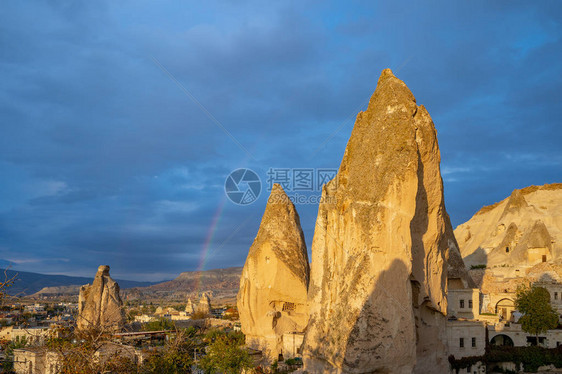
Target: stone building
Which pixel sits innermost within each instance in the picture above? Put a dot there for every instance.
(539, 244)
(39, 360)
(466, 339)
(32, 335)
(292, 343)
(36, 361)
(463, 303)
(511, 334)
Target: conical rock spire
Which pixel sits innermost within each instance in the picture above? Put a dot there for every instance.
(273, 286)
(377, 291)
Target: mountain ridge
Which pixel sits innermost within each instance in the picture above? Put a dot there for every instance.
(28, 283)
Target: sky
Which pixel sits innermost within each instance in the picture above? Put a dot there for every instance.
(120, 121)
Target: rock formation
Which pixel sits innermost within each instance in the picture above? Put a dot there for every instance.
(189, 308)
(519, 231)
(377, 293)
(204, 306)
(273, 287)
(100, 305)
(457, 275)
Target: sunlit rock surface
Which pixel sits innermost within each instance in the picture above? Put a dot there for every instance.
(100, 305)
(377, 293)
(204, 306)
(189, 308)
(273, 287)
(522, 230)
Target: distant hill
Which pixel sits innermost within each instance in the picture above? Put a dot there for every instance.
(221, 284)
(193, 281)
(29, 283)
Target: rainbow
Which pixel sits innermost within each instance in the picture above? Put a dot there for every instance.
(205, 252)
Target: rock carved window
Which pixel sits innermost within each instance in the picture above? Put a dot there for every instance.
(287, 307)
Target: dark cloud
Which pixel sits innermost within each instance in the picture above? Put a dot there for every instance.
(105, 159)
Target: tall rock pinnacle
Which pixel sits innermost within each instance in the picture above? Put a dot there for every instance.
(377, 294)
(273, 286)
(100, 305)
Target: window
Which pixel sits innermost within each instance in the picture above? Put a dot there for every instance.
(462, 303)
(473, 342)
(556, 296)
(288, 307)
(461, 342)
(506, 249)
(532, 340)
(543, 258)
(470, 304)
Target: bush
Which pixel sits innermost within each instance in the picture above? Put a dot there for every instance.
(8, 364)
(159, 325)
(464, 362)
(531, 357)
(293, 361)
(200, 315)
(482, 266)
(226, 355)
(176, 356)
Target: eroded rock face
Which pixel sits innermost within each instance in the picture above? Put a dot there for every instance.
(189, 308)
(522, 230)
(273, 287)
(100, 305)
(457, 274)
(377, 291)
(204, 304)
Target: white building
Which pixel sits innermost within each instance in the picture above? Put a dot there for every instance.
(292, 343)
(33, 335)
(511, 334)
(466, 339)
(35, 308)
(144, 318)
(463, 303)
(35, 361)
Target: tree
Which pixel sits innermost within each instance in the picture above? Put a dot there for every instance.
(200, 315)
(226, 355)
(538, 315)
(91, 351)
(176, 357)
(132, 313)
(17, 343)
(5, 284)
(160, 325)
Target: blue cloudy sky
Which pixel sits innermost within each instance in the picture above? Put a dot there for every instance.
(111, 146)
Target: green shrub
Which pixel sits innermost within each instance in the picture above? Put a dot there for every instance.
(159, 325)
(482, 266)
